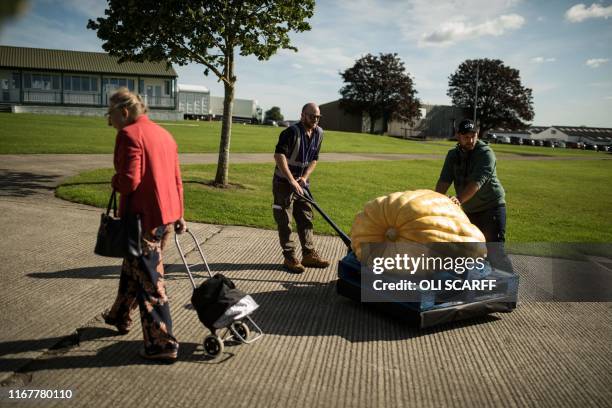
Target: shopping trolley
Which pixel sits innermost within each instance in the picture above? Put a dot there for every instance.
(220, 306)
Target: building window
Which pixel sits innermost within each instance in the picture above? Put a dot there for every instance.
(45, 82)
(76, 83)
(116, 83)
(553, 132)
(141, 87)
(168, 88)
(16, 80)
(80, 83)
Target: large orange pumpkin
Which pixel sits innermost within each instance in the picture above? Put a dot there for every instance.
(421, 216)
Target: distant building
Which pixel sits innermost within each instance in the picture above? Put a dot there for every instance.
(524, 134)
(194, 101)
(592, 135)
(40, 80)
(436, 121)
(244, 110)
(335, 118)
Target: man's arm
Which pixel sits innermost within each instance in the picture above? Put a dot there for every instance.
(468, 192)
(483, 169)
(308, 171)
(281, 162)
(446, 178)
(442, 186)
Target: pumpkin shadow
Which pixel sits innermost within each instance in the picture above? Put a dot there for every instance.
(315, 309)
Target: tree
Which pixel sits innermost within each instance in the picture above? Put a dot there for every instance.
(381, 87)
(207, 32)
(502, 101)
(273, 114)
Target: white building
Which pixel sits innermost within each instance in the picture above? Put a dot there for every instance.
(41, 80)
(597, 136)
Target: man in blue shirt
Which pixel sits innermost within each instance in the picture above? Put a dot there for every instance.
(296, 156)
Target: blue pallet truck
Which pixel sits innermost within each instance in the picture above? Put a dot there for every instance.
(430, 308)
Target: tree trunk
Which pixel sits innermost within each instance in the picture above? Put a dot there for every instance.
(221, 179)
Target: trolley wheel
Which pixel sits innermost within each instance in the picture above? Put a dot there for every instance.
(213, 345)
(242, 329)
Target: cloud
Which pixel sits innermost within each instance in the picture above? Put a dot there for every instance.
(43, 32)
(580, 12)
(454, 31)
(330, 60)
(608, 97)
(88, 8)
(603, 84)
(541, 60)
(596, 62)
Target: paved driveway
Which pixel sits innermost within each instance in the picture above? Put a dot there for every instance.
(319, 350)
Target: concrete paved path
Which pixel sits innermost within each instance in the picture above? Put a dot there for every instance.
(320, 349)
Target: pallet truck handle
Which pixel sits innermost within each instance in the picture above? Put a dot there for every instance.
(307, 196)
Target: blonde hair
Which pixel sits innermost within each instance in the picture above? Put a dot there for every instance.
(124, 98)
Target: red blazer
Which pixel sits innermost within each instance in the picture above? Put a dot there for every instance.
(147, 166)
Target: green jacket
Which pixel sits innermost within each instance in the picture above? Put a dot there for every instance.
(477, 165)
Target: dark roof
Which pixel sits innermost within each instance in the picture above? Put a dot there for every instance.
(590, 132)
(538, 129)
(508, 131)
(78, 61)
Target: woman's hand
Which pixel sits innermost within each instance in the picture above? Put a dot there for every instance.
(180, 226)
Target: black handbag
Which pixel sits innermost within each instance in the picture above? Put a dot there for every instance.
(119, 237)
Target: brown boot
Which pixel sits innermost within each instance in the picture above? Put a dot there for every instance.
(313, 260)
(294, 265)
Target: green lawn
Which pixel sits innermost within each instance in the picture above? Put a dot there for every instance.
(28, 133)
(548, 201)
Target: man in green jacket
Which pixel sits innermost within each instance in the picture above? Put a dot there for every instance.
(471, 167)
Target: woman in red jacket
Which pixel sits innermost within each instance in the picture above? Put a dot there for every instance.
(146, 170)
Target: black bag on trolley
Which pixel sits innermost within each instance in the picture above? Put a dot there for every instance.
(213, 297)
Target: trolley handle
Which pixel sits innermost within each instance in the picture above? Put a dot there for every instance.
(182, 254)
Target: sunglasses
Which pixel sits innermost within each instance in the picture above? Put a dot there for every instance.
(314, 117)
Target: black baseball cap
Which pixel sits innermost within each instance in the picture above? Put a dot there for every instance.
(466, 126)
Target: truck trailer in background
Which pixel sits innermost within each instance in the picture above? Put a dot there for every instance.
(245, 110)
(196, 102)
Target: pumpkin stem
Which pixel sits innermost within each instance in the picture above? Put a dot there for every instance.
(391, 234)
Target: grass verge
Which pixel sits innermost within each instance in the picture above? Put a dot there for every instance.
(551, 201)
(38, 134)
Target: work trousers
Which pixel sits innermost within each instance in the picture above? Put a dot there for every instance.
(492, 223)
(142, 283)
(286, 207)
